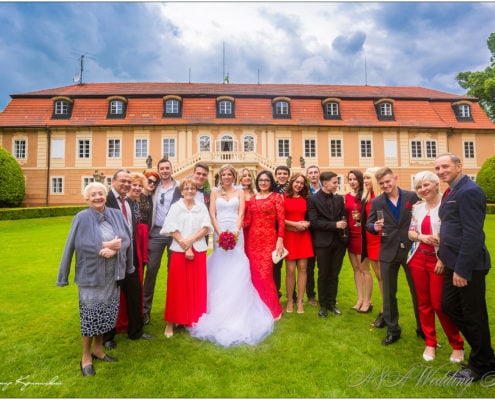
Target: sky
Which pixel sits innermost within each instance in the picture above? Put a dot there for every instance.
(351, 43)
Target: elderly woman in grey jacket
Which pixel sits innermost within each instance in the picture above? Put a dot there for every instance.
(102, 242)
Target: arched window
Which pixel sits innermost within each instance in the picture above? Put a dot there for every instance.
(204, 143)
(117, 106)
(281, 107)
(62, 108)
(248, 143)
(226, 143)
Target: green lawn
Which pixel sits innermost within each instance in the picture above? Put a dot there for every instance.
(304, 357)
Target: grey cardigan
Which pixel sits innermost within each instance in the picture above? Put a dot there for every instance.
(85, 240)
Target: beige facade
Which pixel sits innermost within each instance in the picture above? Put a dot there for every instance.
(59, 157)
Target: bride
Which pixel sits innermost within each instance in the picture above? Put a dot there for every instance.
(235, 313)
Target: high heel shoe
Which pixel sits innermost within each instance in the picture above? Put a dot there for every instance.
(428, 357)
(457, 359)
(368, 310)
(300, 309)
(379, 322)
(290, 308)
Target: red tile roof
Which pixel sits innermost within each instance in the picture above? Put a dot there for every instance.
(413, 106)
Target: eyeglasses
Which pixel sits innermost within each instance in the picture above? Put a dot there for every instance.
(264, 181)
(152, 182)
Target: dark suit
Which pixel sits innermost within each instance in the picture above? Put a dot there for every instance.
(462, 250)
(328, 243)
(393, 253)
(130, 285)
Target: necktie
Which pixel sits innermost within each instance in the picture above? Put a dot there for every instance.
(124, 209)
(446, 194)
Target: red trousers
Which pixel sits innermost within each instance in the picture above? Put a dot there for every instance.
(429, 293)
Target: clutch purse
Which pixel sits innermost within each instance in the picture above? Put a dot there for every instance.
(276, 258)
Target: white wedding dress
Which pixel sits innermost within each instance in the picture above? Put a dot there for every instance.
(235, 313)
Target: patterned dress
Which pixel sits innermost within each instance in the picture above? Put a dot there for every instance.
(262, 216)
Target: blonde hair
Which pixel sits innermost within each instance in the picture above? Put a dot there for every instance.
(422, 176)
(138, 176)
(188, 180)
(94, 185)
(250, 187)
(370, 173)
(223, 168)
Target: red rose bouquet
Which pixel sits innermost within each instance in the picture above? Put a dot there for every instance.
(227, 240)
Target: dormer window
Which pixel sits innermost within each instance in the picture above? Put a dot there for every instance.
(384, 109)
(462, 111)
(225, 107)
(117, 107)
(62, 108)
(172, 107)
(281, 107)
(331, 109)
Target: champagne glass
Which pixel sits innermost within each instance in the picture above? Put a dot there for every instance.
(344, 218)
(355, 215)
(381, 218)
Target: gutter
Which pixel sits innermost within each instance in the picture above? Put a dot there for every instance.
(48, 162)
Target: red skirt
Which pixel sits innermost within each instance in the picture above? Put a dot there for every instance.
(186, 288)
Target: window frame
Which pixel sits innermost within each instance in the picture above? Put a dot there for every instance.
(426, 149)
(172, 113)
(62, 108)
(203, 146)
(335, 146)
(311, 151)
(117, 108)
(80, 150)
(384, 109)
(57, 185)
(460, 112)
(365, 148)
(331, 110)
(248, 141)
(469, 153)
(171, 143)
(138, 148)
(20, 149)
(224, 111)
(283, 148)
(114, 148)
(281, 108)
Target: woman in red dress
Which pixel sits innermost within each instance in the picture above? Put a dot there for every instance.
(297, 239)
(371, 243)
(362, 274)
(188, 222)
(263, 212)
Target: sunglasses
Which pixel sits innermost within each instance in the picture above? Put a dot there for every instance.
(151, 182)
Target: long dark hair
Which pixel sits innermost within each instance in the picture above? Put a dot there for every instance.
(270, 176)
(359, 176)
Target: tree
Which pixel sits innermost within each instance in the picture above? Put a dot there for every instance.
(481, 84)
(12, 189)
(486, 179)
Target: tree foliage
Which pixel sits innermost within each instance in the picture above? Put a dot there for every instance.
(486, 179)
(481, 84)
(12, 187)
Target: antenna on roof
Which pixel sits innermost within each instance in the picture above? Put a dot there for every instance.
(78, 77)
(258, 76)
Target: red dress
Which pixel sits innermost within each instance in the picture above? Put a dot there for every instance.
(372, 241)
(355, 239)
(297, 243)
(262, 217)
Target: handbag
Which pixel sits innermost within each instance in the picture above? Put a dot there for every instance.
(276, 258)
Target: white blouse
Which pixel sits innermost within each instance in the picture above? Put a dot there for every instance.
(187, 222)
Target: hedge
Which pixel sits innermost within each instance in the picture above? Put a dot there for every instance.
(38, 212)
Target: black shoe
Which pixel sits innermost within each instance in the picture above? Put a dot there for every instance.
(336, 311)
(88, 370)
(379, 322)
(323, 313)
(110, 344)
(390, 339)
(106, 358)
(146, 336)
(465, 375)
(368, 310)
(146, 318)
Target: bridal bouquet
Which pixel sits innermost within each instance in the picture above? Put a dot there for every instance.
(227, 240)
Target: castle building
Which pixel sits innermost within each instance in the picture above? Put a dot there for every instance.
(66, 137)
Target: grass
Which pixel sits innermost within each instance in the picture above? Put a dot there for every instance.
(337, 357)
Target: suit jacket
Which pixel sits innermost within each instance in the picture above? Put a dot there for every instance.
(462, 240)
(324, 231)
(396, 230)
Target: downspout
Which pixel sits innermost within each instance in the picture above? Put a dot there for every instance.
(48, 160)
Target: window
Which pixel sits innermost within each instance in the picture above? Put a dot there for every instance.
(365, 148)
(62, 108)
(331, 110)
(248, 143)
(113, 148)
(310, 148)
(469, 149)
(83, 148)
(335, 148)
(172, 107)
(225, 109)
(141, 148)
(204, 143)
(462, 112)
(57, 185)
(283, 147)
(428, 148)
(116, 108)
(20, 149)
(168, 148)
(281, 108)
(226, 143)
(385, 110)
(86, 181)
